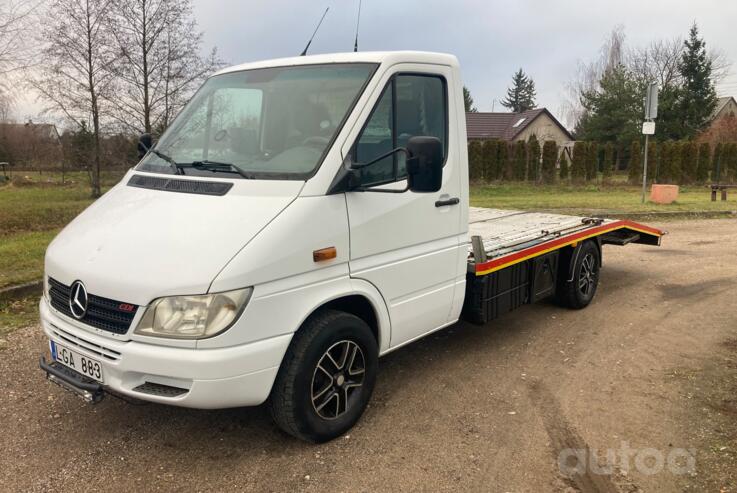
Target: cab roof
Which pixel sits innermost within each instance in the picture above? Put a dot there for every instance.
(382, 57)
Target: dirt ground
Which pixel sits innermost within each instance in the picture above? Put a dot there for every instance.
(651, 366)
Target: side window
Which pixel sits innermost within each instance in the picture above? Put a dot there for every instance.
(411, 105)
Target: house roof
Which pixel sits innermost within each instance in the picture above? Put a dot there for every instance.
(35, 130)
(505, 126)
(721, 103)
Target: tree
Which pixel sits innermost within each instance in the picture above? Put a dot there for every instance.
(521, 96)
(158, 64)
(702, 169)
(550, 156)
(563, 173)
(716, 165)
(613, 110)
(468, 101)
(698, 95)
(520, 160)
(15, 48)
(533, 154)
(74, 75)
(634, 172)
(490, 153)
(475, 161)
(608, 163)
(578, 162)
(689, 162)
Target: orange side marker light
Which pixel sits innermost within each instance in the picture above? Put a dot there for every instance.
(324, 254)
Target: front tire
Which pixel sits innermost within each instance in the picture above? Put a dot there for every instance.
(579, 292)
(326, 378)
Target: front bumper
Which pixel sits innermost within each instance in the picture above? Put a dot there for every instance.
(205, 378)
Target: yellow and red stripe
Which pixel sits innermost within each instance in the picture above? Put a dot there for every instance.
(514, 258)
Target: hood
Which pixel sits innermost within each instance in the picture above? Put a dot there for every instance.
(136, 244)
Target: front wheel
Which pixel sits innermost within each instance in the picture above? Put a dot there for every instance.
(580, 291)
(326, 378)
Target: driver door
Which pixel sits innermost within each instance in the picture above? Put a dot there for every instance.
(407, 244)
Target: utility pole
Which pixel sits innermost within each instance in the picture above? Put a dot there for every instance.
(648, 128)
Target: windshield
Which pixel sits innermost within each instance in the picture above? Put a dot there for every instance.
(272, 123)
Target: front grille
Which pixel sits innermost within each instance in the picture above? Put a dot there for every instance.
(102, 313)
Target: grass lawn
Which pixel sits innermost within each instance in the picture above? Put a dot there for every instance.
(592, 199)
(34, 209)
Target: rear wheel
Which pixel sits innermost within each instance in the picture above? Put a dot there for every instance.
(579, 292)
(326, 378)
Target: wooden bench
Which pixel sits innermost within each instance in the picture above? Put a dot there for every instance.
(722, 188)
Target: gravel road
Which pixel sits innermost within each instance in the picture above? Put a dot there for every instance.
(651, 364)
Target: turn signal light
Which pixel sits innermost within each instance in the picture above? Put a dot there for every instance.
(324, 254)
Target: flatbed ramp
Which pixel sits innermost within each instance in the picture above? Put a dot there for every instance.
(520, 257)
(503, 237)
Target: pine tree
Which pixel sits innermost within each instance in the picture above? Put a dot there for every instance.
(608, 164)
(490, 160)
(716, 165)
(578, 162)
(533, 154)
(475, 161)
(689, 162)
(697, 95)
(634, 174)
(520, 160)
(550, 156)
(468, 101)
(664, 163)
(702, 170)
(563, 173)
(521, 96)
(592, 161)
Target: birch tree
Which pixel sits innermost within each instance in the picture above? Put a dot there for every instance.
(74, 76)
(159, 64)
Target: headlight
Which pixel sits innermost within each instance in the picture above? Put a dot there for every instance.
(193, 317)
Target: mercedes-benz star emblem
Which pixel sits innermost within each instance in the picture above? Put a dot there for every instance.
(78, 300)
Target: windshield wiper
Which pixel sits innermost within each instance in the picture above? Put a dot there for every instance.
(174, 165)
(222, 167)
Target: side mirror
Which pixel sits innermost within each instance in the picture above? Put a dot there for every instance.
(145, 142)
(424, 164)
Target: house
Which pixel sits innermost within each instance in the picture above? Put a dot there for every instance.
(29, 144)
(726, 107)
(723, 124)
(512, 127)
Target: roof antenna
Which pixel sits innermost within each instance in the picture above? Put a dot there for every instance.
(358, 22)
(304, 52)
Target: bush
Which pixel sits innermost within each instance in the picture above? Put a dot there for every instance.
(608, 164)
(563, 172)
(520, 160)
(689, 162)
(634, 174)
(578, 162)
(716, 165)
(504, 167)
(592, 161)
(475, 161)
(702, 168)
(550, 156)
(490, 159)
(533, 154)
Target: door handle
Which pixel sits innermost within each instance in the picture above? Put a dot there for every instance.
(443, 203)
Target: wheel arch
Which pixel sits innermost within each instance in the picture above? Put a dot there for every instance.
(365, 302)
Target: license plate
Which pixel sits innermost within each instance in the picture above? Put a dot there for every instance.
(76, 361)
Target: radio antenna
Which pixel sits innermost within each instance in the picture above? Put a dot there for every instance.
(358, 23)
(304, 52)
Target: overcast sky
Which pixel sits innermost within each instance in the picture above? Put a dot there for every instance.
(492, 39)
